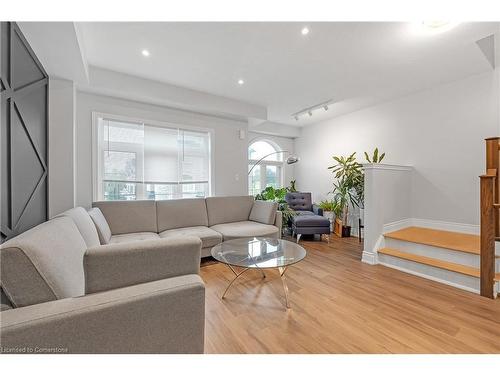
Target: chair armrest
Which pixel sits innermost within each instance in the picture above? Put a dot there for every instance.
(278, 222)
(165, 316)
(123, 264)
(317, 210)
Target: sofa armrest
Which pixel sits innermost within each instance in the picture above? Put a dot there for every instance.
(123, 264)
(317, 210)
(165, 316)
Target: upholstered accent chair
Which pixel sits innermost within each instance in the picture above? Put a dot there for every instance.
(308, 218)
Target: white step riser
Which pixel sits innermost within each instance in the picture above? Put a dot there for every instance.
(455, 279)
(459, 257)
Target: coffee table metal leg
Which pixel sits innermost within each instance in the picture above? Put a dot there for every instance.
(282, 271)
(233, 280)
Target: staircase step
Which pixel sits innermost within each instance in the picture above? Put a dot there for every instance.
(468, 243)
(465, 270)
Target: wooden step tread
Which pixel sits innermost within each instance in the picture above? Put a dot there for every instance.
(465, 270)
(468, 243)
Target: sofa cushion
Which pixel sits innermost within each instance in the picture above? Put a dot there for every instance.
(242, 229)
(304, 213)
(228, 209)
(181, 213)
(101, 225)
(44, 263)
(299, 201)
(129, 216)
(264, 212)
(208, 237)
(84, 224)
(131, 237)
(5, 303)
(311, 221)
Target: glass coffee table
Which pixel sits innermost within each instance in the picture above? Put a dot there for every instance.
(259, 253)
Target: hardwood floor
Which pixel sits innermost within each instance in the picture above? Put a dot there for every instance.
(340, 305)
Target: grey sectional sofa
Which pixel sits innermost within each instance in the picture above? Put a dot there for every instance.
(70, 288)
(213, 220)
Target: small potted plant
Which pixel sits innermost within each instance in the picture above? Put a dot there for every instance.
(328, 207)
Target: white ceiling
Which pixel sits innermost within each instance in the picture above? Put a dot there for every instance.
(356, 64)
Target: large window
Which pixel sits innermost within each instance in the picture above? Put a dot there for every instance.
(146, 160)
(269, 171)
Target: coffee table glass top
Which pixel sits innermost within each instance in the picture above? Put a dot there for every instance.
(258, 252)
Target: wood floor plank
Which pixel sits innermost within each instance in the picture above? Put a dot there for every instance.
(341, 305)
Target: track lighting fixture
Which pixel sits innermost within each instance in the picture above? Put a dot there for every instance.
(309, 110)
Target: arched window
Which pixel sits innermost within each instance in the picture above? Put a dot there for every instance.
(268, 172)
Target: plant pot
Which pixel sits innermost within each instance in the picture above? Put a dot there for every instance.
(328, 215)
(346, 231)
(340, 229)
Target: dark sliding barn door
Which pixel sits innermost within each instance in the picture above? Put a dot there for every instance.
(23, 158)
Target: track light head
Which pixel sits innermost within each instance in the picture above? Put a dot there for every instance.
(326, 107)
(309, 113)
(296, 118)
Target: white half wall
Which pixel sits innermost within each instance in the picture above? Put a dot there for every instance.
(439, 131)
(61, 141)
(229, 171)
(388, 191)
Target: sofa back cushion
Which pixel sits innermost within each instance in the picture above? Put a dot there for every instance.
(181, 213)
(129, 216)
(228, 209)
(299, 201)
(264, 212)
(84, 224)
(101, 225)
(44, 263)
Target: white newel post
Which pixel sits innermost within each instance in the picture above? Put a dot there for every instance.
(387, 200)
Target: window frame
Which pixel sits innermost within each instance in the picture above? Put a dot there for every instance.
(97, 172)
(262, 166)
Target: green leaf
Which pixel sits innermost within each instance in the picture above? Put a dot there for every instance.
(381, 157)
(367, 157)
(375, 155)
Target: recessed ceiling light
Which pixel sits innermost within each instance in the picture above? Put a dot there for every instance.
(436, 27)
(305, 31)
(145, 52)
(240, 82)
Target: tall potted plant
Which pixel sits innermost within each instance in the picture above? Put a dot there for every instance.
(347, 191)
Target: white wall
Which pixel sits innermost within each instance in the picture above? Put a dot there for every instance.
(440, 132)
(61, 140)
(284, 143)
(230, 158)
(388, 191)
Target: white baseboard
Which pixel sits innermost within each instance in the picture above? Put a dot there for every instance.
(397, 225)
(432, 224)
(369, 257)
(446, 225)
